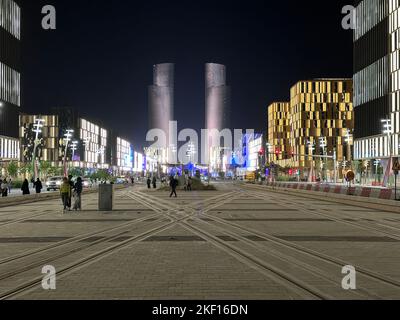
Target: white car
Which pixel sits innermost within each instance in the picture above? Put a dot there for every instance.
(87, 183)
(54, 183)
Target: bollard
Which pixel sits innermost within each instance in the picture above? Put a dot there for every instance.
(106, 197)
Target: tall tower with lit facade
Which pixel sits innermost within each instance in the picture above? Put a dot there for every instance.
(318, 121)
(161, 105)
(217, 112)
(377, 79)
(10, 78)
(217, 98)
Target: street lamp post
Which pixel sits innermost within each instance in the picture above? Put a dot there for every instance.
(311, 148)
(323, 145)
(37, 129)
(67, 139)
(377, 163)
(268, 146)
(349, 139)
(387, 130)
(74, 147)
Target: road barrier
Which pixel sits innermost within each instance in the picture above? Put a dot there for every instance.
(366, 192)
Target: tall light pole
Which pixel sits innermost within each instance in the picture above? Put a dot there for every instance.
(323, 145)
(268, 148)
(311, 148)
(377, 162)
(74, 147)
(387, 130)
(67, 139)
(100, 152)
(37, 129)
(349, 139)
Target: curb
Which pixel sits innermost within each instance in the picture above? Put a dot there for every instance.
(364, 192)
(330, 195)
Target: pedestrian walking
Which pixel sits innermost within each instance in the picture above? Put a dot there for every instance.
(189, 184)
(4, 188)
(148, 183)
(9, 185)
(154, 182)
(78, 188)
(25, 187)
(65, 192)
(71, 186)
(173, 184)
(38, 186)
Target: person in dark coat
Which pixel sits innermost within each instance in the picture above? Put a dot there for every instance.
(173, 184)
(149, 183)
(25, 187)
(189, 184)
(154, 182)
(78, 188)
(38, 186)
(4, 188)
(71, 185)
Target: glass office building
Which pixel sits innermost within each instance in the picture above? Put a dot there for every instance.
(10, 78)
(377, 79)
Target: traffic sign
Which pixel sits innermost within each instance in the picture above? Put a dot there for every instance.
(396, 165)
(350, 176)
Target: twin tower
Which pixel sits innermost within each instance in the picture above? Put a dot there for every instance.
(161, 97)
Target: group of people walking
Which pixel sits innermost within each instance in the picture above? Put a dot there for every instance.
(37, 185)
(6, 187)
(69, 190)
(173, 183)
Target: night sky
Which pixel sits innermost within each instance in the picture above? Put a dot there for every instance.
(100, 58)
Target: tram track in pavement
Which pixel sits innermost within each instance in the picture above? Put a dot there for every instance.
(311, 253)
(84, 237)
(154, 226)
(164, 209)
(367, 226)
(312, 267)
(273, 273)
(98, 255)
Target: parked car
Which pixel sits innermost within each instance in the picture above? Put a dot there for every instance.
(54, 183)
(87, 183)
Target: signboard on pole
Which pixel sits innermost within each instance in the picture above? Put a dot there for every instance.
(396, 166)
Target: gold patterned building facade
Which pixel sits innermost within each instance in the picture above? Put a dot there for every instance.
(278, 148)
(321, 122)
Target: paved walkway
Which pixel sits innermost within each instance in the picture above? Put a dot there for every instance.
(233, 243)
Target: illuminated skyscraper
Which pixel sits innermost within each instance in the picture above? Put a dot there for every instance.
(318, 121)
(279, 132)
(217, 98)
(10, 78)
(161, 104)
(217, 112)
(377, 79)
(321, 113)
